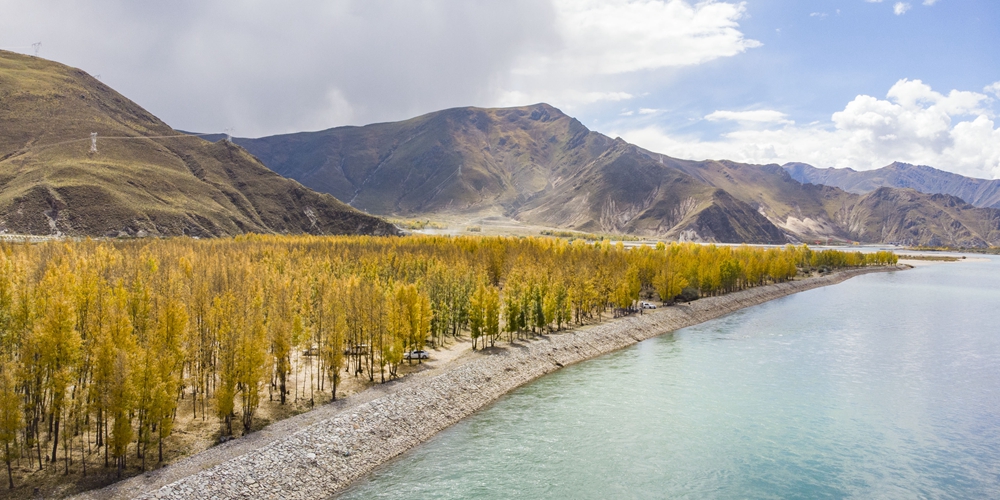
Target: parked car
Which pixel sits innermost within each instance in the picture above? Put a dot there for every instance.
(416, 355)
(647, 305)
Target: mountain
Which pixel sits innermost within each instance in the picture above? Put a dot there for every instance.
(978, 192)
(542, 167)
(534, 163)
(145, 178)
(810, 212)
(909, 217)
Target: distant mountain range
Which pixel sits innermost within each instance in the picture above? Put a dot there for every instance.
(538, 165)
(978, 192)
(145, 178)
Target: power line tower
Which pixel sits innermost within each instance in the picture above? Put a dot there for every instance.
(93, 142)
(37, 46)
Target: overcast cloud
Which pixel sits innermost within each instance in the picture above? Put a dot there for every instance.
(264, 67)
(682, 77)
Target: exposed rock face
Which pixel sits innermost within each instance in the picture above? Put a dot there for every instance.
(326, 456)
(144, 178)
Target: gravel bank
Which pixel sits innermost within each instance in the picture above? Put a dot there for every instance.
(328, 448)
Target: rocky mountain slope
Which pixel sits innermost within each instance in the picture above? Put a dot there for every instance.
(811, 212)
(909, 217)
(978, 192)
(543, 167)
(145, 178)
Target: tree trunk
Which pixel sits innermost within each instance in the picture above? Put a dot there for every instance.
(100, 420)
(10, 473)
(83, 451)
(38, 443)
(282, 386)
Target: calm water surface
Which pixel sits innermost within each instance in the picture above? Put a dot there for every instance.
(884, 386)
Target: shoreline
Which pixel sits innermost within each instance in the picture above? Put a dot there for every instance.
(324, 451)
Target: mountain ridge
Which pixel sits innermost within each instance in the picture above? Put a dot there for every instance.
(540, 166)
(930, 180)
(511, 161)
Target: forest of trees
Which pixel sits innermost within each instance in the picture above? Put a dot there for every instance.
(104, 343)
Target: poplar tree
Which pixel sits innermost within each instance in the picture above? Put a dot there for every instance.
(10, 415)
(225, 320)
(59, 344)
(252, 361)
(333, 349)
(120, 351)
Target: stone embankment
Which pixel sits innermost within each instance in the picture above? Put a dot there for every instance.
(326, 455)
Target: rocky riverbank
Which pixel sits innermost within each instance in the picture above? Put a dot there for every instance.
(325, 455)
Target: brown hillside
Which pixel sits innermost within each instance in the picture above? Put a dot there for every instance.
(533, 163)
(143, 179)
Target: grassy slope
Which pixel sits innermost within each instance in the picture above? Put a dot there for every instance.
(50, 182)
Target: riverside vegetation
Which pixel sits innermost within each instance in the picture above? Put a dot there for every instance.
(104, 343)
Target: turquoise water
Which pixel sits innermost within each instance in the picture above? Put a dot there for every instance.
(884, 386)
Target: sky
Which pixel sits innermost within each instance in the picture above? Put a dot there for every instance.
(832, 83)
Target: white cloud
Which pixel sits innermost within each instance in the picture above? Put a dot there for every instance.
(993, 88)
(620, 36)
(746, 117)
(598, 40)
(818, 14)
(913, 124)
(649, 111)
(900, 8)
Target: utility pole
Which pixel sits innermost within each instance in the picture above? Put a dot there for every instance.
(93, 142)
(37, 46)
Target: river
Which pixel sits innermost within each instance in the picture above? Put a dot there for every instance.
(886, 385)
